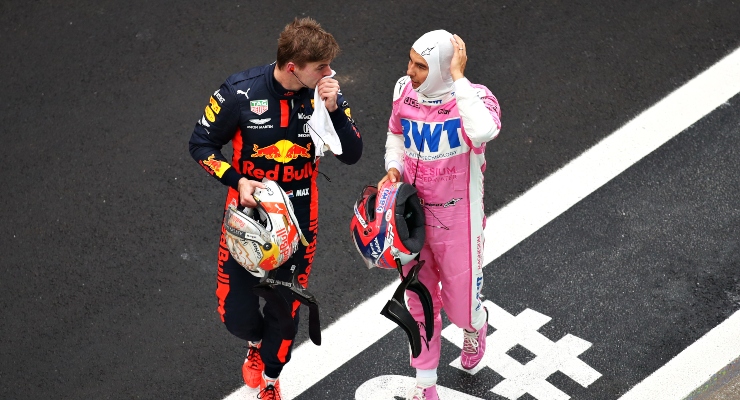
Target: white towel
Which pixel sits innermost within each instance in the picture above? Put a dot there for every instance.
(322, 130)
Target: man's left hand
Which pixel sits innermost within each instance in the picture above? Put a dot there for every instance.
(328, 91)
(459, 58)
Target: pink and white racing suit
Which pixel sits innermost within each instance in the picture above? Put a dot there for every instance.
(439, 147)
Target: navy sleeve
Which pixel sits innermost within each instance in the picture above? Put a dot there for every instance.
(347, 131)
(217, 127)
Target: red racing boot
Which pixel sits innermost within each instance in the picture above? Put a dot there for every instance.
(253, 366)
(269, 389)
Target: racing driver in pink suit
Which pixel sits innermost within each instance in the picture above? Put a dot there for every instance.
(436, 141)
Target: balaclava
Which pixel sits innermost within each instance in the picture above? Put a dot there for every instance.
(437, 50)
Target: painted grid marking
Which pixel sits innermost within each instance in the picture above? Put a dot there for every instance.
(528, 378)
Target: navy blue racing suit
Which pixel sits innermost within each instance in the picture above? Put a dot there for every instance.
(266, 125)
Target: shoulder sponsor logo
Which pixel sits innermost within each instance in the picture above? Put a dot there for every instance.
(259, 121)
(443, 111)
(211, 110)
(258, 106)
(411, 102)
(214, 105)
(209, 114)
(217, 95)
(204, 122)
(304, 116)
(246, 94)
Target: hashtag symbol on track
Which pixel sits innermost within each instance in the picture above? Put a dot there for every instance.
(550, 356)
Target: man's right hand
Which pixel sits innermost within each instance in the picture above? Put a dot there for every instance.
(393, 175)
(246, 189)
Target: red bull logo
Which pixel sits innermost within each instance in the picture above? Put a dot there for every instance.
(217, 167)
(285, 174)
(283, 151)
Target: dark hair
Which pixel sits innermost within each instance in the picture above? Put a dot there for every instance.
(304, 41)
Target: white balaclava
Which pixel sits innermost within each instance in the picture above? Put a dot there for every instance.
(437, 50)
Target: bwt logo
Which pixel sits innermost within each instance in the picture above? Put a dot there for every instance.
(383, 199)
(430, 134)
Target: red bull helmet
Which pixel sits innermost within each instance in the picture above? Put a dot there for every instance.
(388, 225)
(263, 238)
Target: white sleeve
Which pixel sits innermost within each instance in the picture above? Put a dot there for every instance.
(480, 125)
(394, 152)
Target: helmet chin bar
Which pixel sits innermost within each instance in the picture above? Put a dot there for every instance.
(269, 289)
(397, 311)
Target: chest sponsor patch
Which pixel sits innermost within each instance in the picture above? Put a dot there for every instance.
(432, 138)
(283, 151)
(258, 106)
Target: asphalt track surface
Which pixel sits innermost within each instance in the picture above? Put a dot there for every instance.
(109, 229)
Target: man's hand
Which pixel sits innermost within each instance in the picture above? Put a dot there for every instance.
(393, 175)
(459, 58)
(328, 90)
(246, 189)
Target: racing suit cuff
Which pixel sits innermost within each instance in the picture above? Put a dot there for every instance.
(338, 118)
(394, 164)
(231, 178)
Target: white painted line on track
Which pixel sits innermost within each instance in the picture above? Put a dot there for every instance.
(610, 157)
(363, 326)
(693, 366)
(387, 387)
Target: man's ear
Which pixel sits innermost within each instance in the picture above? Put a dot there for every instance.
(291, 67)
